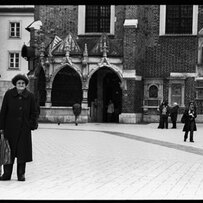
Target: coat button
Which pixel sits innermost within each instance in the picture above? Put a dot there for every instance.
(20, 97)
(20, 108)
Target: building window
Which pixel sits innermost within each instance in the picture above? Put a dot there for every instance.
(153, 92)
(199, 89)
(14, 60)
(96, 19)
(14, 30)
(178, 19)
(199, 94)
(176, 93)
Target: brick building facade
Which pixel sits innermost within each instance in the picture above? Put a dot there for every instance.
(134, 56)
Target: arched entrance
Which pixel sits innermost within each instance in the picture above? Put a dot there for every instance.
(41, 87)
(104, 85)
(66, 88)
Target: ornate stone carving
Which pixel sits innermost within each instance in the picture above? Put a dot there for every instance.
(104, 61)
(67, 49)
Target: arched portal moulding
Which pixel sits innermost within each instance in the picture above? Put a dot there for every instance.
(74, 67)
(114, 68)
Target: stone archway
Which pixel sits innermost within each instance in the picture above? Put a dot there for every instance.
(104, 85)
(66, 88)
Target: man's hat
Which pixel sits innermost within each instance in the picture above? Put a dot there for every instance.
(19, 77)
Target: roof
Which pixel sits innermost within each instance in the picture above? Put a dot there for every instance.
(94, 46)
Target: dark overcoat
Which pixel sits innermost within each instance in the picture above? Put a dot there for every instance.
(190, 124)
(174, 113)
(76, 109)
(18, 117)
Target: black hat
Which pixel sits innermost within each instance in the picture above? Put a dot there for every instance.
(19, 77)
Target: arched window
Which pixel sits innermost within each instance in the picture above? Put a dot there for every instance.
(153, 91)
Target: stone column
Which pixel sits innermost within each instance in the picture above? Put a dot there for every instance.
(84, 101)
(51, 68)
(48, 97)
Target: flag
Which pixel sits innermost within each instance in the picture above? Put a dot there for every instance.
(54, 43)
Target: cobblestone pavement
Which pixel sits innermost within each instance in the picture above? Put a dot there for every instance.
(110, 161)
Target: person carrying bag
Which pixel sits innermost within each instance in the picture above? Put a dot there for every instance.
(18, 117)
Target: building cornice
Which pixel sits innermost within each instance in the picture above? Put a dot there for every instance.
(17, 10)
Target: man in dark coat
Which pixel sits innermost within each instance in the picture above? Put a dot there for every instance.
(174, 114)
(18, 117)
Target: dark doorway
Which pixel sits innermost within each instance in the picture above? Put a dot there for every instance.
(66, 88)
(113, 92)
(104, 85)
(41, 86)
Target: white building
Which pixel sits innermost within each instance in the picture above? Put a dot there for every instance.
(13, 21)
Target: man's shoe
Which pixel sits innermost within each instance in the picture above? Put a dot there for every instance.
(3, 177)
(21, 178)
(191, 141)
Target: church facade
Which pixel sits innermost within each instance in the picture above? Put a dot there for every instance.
(134, 55)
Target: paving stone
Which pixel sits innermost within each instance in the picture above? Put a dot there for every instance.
(114, 161)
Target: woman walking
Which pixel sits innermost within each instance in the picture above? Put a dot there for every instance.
(189, 116)
(18, 117)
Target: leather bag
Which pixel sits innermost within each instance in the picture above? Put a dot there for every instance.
(5, 151)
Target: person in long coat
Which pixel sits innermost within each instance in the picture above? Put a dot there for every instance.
(164, 111)
(18, 117)
(76, 111)
(110, 111)
(189, 120)
(174, 114)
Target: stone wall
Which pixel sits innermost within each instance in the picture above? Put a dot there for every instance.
(62, 115)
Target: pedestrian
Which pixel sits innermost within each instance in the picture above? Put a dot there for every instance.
(164, 111)
(18, 117)
(110, 111)
(189, 116)
(159, 109)
(76, 112)
(174, 114)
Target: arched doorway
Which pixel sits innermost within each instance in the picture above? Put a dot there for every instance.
(41, 86)
(66, 88)
(104, 85)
